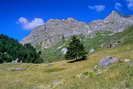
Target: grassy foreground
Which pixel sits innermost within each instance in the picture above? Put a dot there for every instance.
(79, 75)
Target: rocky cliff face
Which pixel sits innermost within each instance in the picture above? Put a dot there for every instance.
(55, 29)
(115, 22)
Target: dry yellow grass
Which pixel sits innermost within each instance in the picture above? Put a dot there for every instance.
(63, 75)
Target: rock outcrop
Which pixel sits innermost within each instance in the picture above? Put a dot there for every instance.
(55, 29)
(105, 62)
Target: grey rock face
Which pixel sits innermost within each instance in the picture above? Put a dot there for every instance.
(112, 44)
(55, 30)
(114, 22)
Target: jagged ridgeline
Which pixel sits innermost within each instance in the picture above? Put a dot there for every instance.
(53, 37)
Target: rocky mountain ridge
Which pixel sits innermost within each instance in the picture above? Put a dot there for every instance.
(55, 29)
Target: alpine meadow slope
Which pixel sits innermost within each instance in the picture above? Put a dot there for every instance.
(78, 75)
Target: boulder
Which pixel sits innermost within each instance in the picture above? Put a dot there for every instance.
(105, 62)
(16, 61)
(92, 50)
(18, 69)
(64, 50)
(50, 65)
(55, 83)
(130, 63)
(95, 67)
(127, 60)
(98, 73)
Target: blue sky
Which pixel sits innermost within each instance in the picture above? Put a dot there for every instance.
(18, 17)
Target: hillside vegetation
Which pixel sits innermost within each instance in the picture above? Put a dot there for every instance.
(11, 50)
(78, 75)
(98, 41)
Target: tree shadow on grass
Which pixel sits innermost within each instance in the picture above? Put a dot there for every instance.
(79, 60)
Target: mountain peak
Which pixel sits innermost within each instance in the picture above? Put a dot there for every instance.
(113, 15)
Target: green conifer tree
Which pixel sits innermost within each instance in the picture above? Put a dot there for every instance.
(75, 50)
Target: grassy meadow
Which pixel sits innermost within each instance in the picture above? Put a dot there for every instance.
(78, 75)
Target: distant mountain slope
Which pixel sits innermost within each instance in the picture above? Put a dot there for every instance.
(101, 40)
(55, 29)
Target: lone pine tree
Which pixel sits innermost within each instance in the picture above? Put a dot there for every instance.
(76, 50)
